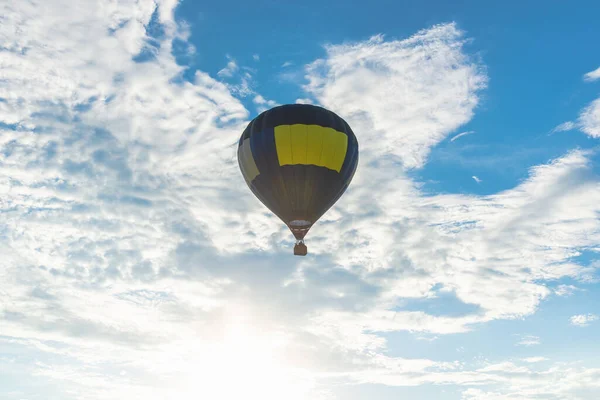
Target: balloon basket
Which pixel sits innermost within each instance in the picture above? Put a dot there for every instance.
(300, 249)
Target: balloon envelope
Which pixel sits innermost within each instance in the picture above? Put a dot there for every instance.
(298, 160)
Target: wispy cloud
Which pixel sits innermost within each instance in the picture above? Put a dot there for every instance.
(565, 127)
(583, 319)
(263, 104)
(566, 290)
(535, 359)
(476, 179)
(461, 135)
(589, 118)
(238, 79)
(230, 69)
(505, 380)
(592, 75)
(528, 340)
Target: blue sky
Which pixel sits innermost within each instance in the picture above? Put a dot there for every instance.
(462, 262)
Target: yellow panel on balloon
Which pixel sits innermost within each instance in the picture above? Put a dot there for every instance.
(301, 144)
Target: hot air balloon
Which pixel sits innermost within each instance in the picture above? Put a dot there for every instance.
(298, 160)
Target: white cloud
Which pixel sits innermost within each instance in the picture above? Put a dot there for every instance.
(403, 96)
(256, 57)
(461, 135)
(478, 394)
(230, 69)
(523, 383)
(259, 100)
(114, 237)
(135, 260)
(521, 236)
(263, 104)
(239, 80)
(592, 75)
(506, 366)
(583, 319)
(565, 127)
(476, 179)
(500, 381)
(535, 359)
(589, 119)
(529, 340)
(566, 290)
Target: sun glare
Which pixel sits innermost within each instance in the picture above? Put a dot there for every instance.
(243, 364)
